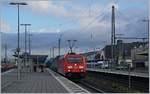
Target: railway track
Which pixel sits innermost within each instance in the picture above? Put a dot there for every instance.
(139, 84)
(86, 86)
(89, 87)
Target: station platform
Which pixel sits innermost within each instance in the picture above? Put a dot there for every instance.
(121, 72)
(37, 82)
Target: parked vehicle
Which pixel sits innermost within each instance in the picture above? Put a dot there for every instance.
(103, 64)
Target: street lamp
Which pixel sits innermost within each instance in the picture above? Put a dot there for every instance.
(0, 46)
(25, 41)
(31, 65)
(25, 34)
(18, 48)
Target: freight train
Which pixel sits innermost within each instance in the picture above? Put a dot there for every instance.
(70, 65)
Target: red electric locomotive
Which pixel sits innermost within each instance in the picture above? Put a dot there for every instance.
(71, 65)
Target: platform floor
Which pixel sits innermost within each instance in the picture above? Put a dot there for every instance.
(35, 82)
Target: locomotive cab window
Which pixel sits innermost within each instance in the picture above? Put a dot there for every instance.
(74, 59)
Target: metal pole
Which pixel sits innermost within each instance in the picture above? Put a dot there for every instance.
(94, 57)
(59, 46)
(25, 44)
(25, 41)
(25, 53)
(113, 36)
(112, 41)
(59, 40)
(129, 83)
(69, 43)
(5, 53)
(50, 53)
(0, 46)
(31, 65)
(53, 52)
(29, 44)
(135, 58)
(111, 45)
(18, 49)
(148, 26)
(92, 48)
(26, 35)
(25, 38)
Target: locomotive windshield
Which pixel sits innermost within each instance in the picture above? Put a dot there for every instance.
(74, 59)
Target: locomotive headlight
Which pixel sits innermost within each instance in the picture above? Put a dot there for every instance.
(69, 67)
(81, 67)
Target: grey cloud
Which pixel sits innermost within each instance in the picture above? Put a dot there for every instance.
(129, 23)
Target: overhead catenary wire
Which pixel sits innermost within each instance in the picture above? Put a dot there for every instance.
(95, 18)
(74, 20)
(130, 21)
(102, 15)
(125, 17)
(92, 21)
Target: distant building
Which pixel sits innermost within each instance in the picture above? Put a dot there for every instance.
(90, 56)
(122, 52)
(140, 56)
(125, 53)
(95, 55)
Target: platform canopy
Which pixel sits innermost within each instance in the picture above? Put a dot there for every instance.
(35, 58)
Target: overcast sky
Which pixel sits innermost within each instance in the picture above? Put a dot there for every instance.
(87, 21)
